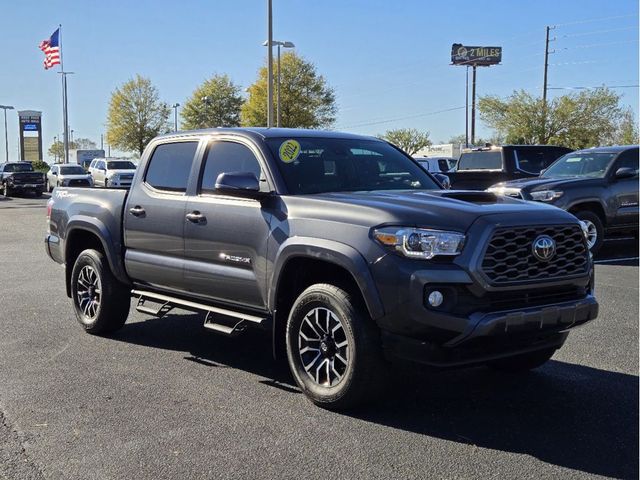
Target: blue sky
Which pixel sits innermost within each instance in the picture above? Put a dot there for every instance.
(387, 60)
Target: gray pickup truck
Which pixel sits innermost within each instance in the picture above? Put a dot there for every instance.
(340, 245)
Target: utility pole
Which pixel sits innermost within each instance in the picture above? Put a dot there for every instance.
(175, 116)
(473, 106)
(269, 65)
(466, 112)
(101, 141)
(546, 65)
(6, 137)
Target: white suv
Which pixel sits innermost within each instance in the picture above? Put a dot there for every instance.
(112, 173)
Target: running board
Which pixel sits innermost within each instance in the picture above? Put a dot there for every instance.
(167, 303)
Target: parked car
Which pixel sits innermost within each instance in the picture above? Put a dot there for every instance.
(20, 177)
(437, 164)
(112, 173)
(597, 185)
(340, 245)
(479, 168)
(68, 176)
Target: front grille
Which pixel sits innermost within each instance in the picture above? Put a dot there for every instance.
(509, 257)
(79, 183)
(126, 177)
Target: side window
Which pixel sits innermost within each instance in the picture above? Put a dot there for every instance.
(170, 166)
(628, 159)
(225, 157)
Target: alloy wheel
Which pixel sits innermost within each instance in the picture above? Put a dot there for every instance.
(89, 292)
(323, 347)
(592, 233)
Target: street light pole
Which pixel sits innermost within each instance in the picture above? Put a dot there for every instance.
(6, 137)
(175, 116)
(279, 44)
(269, 65)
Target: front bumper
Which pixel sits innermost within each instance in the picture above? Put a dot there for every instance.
(26, 186)
(118, 182)
(489, 336)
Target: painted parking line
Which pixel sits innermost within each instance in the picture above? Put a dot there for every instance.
(623, 259)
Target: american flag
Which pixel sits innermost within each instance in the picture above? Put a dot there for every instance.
(51, 49)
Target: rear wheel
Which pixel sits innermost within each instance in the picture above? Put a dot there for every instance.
(333, 348)
(524, 362)
(101, 303)
(595, 229)
(49, 187)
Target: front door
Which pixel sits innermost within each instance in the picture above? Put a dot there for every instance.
(625, 190)
(226, 236)
(155, 217)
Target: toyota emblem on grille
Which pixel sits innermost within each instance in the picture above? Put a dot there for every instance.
(544, 248)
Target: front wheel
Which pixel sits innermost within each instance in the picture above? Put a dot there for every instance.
(524, 362)
(6, 190)
(333, 348)
(595, 229)
(101, 303)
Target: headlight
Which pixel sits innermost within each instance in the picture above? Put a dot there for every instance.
(546, 195)
(420, 242)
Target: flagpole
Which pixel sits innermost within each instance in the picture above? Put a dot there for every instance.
(65, 117)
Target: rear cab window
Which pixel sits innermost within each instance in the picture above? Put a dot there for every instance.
(480, 160)
(169, 167)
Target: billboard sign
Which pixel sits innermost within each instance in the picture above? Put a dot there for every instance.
(479, 56)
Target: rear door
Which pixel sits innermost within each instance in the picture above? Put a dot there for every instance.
(625, 190)
(225, 242)
(155, 216)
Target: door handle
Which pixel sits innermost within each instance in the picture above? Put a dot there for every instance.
(196, 217)
(137, 211)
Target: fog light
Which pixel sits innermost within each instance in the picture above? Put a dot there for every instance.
(435, 298)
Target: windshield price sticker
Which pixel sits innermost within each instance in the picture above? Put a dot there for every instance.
(289, 151)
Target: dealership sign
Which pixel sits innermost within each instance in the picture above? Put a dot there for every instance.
(479, 56)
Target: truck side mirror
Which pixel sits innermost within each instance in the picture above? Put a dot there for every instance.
(443, 180)
(242, 184)
(625, 172)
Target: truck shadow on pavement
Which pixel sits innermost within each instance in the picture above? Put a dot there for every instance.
(565, 414)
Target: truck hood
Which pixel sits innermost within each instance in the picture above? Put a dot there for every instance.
(538, 183)
(440, 209)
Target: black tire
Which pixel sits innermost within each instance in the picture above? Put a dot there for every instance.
(365, 371)
(589, 216)
(6, 191)
(113, 300)
(38, 193)
(524, 362)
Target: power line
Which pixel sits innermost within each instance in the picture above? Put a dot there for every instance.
(596, 32)
(389, 120)
(594, 88)
(598, 45)
(592, 20)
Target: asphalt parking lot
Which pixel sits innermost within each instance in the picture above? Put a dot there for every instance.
(163, 398)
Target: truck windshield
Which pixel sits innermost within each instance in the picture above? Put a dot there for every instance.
(18, 167)
(120, 165)
(73, 170)
(319, 165)
(480, 160)
(580, 164)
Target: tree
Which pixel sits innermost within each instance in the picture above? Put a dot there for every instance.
(627, 132)
(136, 115)
(408, 139)
(56, 150)
(577, 121)
(84, 144)
(215, 103)
(306, 100)
(495, 139)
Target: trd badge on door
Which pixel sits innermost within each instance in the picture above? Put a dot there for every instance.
(234, 258)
